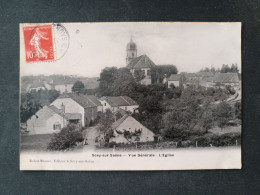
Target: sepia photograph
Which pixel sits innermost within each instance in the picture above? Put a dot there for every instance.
(130, 96)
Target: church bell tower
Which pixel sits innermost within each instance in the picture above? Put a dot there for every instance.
(131, 51)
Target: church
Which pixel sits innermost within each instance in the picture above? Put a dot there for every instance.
(143, 63)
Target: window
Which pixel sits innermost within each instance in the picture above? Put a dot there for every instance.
(56, 126)
(143, 72)
(149, 72)
(105, 104)
(125, 108)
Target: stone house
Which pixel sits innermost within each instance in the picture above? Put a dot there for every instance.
(118, 102)
(87, 106)
(176, 80)
(134, 130)
(223, 79)
(50, 120)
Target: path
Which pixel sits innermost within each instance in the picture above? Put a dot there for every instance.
(91, 133)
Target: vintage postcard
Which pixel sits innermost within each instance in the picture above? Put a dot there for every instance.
(130, 96)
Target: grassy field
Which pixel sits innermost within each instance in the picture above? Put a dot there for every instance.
(230, 129)
(35, 142)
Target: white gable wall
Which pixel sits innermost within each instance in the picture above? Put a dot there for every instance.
(105, 105)
(64, 88)
(130, 124)
(176, 83)
(70, 107)
(43, 123)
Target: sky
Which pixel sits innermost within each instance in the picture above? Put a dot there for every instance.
(188, 46)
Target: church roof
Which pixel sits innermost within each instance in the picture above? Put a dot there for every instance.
(142, 61)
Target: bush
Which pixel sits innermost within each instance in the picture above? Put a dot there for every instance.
(68, 137)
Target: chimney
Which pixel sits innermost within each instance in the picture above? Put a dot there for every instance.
(62, 108)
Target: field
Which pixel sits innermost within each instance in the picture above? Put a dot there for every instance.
(34, 142)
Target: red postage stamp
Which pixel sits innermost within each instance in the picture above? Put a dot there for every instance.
(39, 45)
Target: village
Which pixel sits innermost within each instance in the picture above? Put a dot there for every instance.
(145, 106)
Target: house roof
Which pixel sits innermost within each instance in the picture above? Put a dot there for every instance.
(121, 111)
(174, 77)
(142, 61)
(64, 81)
(206, 74)
(67, 116)
(119, 121)
(84, 100)
(36, 84)
(119, 101)
(73, 116)
(226, 78)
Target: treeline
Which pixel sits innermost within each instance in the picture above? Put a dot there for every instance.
(224, 69)
(33, 101)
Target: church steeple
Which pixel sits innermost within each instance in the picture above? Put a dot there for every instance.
(131, 51)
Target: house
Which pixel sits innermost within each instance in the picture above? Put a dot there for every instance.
(129, 130)
(115, 103)
(63, 84)
(50, 120)
(175, 79)
(223, 79)
(36, 86)
(86, 105)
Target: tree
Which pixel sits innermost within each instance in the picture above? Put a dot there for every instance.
(106, 120)
(78, 87)
(225, 68)
(106, 81)
(238, 112)
(223, 113)
(159, 72)
(213, 70)
(68, 137)
(31, 102)
(234, 68)
(207, 121)
(138, 75)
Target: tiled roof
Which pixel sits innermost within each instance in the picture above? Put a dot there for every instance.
(119, 121)
(142, 61)
(73, 116)
(64, 81)
(84, 100)
(174, 77)
(93, 99)
(67, 116)
(36, 84)
(226, 78)
(206, 74)
(119, 101)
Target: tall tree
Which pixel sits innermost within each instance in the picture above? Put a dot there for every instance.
(159, 72)
(223, 113)
(78, 87)
(234, 68)
(107, 79)
(225, 68)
